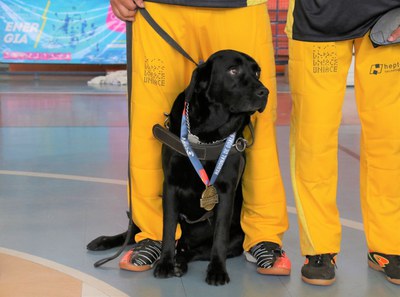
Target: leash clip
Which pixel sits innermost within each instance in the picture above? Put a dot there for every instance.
(240, 144)
(167, 120)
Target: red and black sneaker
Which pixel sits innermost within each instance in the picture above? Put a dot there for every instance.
(319, 270)
(388, 264)
(270, 258)
(142, 256)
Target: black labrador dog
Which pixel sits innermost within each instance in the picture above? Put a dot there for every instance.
(223, 93)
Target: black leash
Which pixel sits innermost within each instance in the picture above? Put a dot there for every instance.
(176, 46)
(165, 35)
(129, 76)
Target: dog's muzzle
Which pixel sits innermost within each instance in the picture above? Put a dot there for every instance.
(262, 94)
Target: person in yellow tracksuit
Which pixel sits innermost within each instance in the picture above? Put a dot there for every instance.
(159, 74)
(322, 38)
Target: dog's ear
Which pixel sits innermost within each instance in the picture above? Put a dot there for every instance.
(199, 81)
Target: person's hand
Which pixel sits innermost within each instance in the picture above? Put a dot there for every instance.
(395, 35)
(126, 10)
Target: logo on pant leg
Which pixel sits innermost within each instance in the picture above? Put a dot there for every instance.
(384, 68)
(154, 72)
(376, 69)
(325, 58)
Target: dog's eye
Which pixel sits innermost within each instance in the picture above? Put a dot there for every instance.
(258, 74)
(233, 71)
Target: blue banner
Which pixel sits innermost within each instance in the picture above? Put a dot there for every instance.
(62, 32)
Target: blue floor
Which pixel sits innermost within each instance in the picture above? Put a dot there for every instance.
(63, 164)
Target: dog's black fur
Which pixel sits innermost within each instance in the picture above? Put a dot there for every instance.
(223, 93)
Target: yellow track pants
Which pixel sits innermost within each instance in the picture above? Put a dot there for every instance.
(318, 73)
(160, 73)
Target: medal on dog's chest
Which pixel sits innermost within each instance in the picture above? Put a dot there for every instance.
(209, 197)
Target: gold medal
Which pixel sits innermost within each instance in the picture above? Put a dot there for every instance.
(209, 198)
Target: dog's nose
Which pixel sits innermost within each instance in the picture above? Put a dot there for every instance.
(262, 92)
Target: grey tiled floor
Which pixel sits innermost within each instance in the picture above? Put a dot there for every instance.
(59, 126)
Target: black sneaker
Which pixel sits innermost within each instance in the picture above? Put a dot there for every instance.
(319, 269)
(142, 256)
(388, 264)
(270, 258)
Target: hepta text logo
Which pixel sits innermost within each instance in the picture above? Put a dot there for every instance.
(384, 68)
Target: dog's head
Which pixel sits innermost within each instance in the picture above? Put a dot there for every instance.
(230, 78)
(227, 89)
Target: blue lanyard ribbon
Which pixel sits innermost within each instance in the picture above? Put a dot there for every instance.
(195, 160)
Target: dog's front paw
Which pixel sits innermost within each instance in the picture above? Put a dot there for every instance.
(180, 268)
(164, 269)
(217, 275)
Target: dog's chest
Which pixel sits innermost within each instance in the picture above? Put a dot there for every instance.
(187, 183)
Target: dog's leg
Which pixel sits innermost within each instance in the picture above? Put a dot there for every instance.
(166, 267)
(236, 236)
(181, 259)
(216, 271)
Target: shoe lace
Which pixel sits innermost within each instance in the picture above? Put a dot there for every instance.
(279, 252)
(266, 253)
(272, 248)
(146, 252)
(147, 242)
(320, 259)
